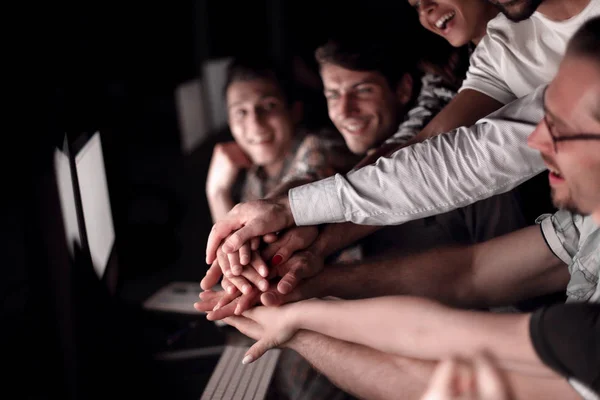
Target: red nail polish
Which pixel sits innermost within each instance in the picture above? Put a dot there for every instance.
(276, 260)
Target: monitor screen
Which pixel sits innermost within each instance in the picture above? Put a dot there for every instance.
(66, 194)
(95, 202)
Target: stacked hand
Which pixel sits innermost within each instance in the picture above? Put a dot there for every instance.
(270, 326)
(253, 283)
(477, 379)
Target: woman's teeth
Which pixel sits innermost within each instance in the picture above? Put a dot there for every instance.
(441, 23)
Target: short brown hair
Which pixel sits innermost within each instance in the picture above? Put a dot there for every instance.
(258, 67)
(356, 52)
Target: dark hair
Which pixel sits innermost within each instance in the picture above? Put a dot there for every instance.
(358, 51)
(586, 41)
(252, 68)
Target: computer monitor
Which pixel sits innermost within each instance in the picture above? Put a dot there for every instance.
(85, 204)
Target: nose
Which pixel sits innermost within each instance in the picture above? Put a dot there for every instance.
(540, 139)
(255, 123)
(345, 106)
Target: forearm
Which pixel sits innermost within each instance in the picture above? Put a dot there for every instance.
(370, 374)
(220, 203)
(361, 371)
(465, 109)
(412, 327)
(335, 237)
(439, 175)
(442, 274)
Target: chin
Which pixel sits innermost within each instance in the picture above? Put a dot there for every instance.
(567, 203)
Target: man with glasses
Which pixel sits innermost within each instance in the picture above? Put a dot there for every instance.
(562, 253)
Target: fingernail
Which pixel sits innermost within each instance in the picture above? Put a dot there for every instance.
(263, 285)
(276, 260)
(217, 307)
(264, 272)
(284, 287)
(247, 360)
(237, 310)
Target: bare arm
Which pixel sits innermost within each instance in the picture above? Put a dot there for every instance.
(220, 203)
(367, 373)
(361, 371)
(227, 160)
(465, 109)
(335, 237)
(497, 272)
(411, 326)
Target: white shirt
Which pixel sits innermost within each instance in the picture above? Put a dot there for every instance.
(441, 174)
(515, 58)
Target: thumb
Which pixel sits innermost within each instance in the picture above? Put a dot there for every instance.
(256, 351)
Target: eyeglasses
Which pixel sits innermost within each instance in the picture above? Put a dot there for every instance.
(557, 138)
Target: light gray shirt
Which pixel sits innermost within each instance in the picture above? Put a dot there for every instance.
(575, 239)
(443, 173)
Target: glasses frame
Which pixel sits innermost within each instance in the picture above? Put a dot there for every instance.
(556, 139)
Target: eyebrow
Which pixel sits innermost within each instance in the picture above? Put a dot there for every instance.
(354, 86)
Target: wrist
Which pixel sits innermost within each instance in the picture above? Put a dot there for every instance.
(284, 203)
(291, 316)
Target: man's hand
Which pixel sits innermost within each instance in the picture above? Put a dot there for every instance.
(247, 221)
(269, 326)
(227, 160)
(458, 380)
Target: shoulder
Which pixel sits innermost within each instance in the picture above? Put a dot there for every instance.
(501, 30)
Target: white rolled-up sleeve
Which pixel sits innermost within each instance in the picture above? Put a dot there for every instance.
(444, 173)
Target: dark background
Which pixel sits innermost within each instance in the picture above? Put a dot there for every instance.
(114, 67)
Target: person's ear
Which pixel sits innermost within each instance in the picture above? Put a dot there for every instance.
(404, 89)
(297, 111)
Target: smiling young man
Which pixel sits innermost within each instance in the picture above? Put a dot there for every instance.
(371, 95)
(536, 350)
(443, 173)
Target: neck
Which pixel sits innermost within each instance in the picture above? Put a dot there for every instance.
(596, 217)
(560, 10)
(274, 169)
(491, 14)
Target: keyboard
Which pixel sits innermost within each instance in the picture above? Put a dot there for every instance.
(231, 380)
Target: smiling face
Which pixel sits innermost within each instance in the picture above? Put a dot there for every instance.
(458, 21)
(361, 105)
(572, 105)
(260, 120)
